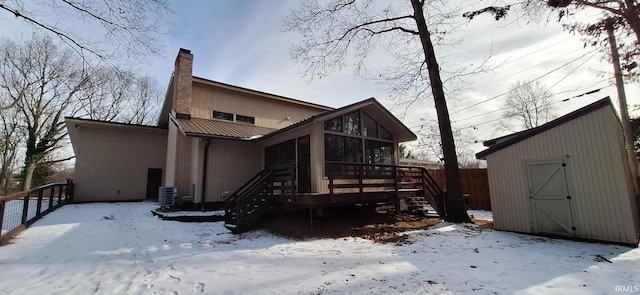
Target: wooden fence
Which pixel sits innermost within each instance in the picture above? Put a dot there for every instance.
(474, 182)
(20, 210)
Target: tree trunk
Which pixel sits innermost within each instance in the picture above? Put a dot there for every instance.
(454, 202)
(28, 176)
(624, 111)
(632, 18)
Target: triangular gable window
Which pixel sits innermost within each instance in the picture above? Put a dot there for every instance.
(385, 134)
(369, 126)
(358, 123)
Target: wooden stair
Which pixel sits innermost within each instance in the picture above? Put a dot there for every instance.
(428, 198)
(251, 201)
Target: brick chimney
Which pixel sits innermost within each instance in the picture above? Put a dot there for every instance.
(183, 84)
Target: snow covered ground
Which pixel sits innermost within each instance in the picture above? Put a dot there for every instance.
(122, 249)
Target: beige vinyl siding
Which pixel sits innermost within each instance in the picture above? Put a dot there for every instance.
(122, 175)
(179, 160)
(318, 184)
(197, 164)
(172, 137)
(267, 112)
(597, 171)
(230, 164)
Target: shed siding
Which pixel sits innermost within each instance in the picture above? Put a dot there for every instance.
(598, 178)
(267, 112)
(121, 176)
(230, 165)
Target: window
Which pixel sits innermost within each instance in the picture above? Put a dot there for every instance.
(287, 152)
(334, 148)
(385, 134)
(378, 152)
(358, 123)
(245, 119)
(352, 150)
(343, 149)
(369, 126)
(352, 123)
(334, 124)
(222, 116)
(280, 154)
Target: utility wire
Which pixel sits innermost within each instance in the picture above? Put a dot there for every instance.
(531, 81)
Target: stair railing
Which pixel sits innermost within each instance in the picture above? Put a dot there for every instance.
(250, 201)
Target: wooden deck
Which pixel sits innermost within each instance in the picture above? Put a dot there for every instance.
(305, 201)
(275, 189)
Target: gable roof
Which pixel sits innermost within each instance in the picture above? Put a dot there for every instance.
(502, 142)
(371, 106)
(213, 128)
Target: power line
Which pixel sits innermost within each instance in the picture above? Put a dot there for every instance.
(474, 126)
(497, 110)
(538, 78)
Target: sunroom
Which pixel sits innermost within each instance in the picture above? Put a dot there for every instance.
(344, 156)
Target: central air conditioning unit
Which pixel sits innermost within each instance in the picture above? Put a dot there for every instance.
(167, 197)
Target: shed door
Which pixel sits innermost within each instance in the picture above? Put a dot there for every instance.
(549, 196)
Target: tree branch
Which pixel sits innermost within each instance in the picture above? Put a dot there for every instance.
(64, 37)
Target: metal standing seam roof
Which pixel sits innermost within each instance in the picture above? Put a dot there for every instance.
(220, 128)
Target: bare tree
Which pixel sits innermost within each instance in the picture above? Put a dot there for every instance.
(623, 16)
(528, 105)
(121, 96)
(431, 148)
(143, 105)
(343, 31)
(10, 141)
(46, 83)
(627, 12)
(43, 80)
(127, 28)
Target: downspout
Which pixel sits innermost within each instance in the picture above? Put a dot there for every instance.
(204, 172)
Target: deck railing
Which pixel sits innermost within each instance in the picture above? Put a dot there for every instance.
(358, 177)
(362, 178)
(20, 210)
(250, 201)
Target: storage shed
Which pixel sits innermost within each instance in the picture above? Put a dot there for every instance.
(569, 177)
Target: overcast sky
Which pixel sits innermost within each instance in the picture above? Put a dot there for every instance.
(242, 43)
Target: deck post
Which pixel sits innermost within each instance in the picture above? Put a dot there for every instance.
(330, 185)
(2, 202)
(360, 179)
(25, 210)
(311, 217)
(39, 204)
(395, 182)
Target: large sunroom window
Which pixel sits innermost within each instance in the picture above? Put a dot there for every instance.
(378, 152)
(349, 140)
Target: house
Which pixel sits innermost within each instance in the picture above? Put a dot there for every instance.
(216, 142)
(569, 177)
